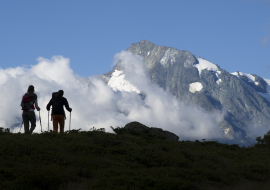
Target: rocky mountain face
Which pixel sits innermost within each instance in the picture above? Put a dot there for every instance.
(194, 80)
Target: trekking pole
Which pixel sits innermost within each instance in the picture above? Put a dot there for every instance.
(69, 121)
(40, 122)
(21, 127)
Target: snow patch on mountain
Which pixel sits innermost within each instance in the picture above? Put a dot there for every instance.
(204, 64)
(218, 81)
(196, 86)
(267, 94)
(250, 77)
(118, 82)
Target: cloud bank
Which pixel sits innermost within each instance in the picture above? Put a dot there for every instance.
(95, 104)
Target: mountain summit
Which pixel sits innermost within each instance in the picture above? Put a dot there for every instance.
(196, 81)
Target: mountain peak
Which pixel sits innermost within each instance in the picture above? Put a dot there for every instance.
(146, 42)
(196, 81)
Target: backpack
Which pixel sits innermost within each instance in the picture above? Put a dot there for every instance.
(57, 103)
(26, 103)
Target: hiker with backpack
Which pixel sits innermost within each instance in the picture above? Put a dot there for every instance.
(58, 114)
(28, 104)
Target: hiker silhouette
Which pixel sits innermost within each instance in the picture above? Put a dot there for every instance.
(29, 103)
(58, 113)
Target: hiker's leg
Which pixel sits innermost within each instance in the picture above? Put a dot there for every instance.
(32, 117)
(55, 123)
(62, 123)
(25, 122)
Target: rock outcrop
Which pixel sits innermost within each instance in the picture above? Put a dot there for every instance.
(138, 127)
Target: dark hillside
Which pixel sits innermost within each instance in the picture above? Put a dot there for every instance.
(99, 160)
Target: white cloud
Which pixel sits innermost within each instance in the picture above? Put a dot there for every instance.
(162, 109)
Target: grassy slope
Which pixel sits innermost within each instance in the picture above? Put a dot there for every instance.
(98, 160)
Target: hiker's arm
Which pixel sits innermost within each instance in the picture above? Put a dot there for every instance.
(67, 106)
(36, 105)
(49, 105)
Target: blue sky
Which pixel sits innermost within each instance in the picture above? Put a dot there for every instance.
(235, 34)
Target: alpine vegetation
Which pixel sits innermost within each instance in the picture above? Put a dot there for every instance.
(136, 157)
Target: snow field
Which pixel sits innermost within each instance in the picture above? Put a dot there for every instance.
(204, 64)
